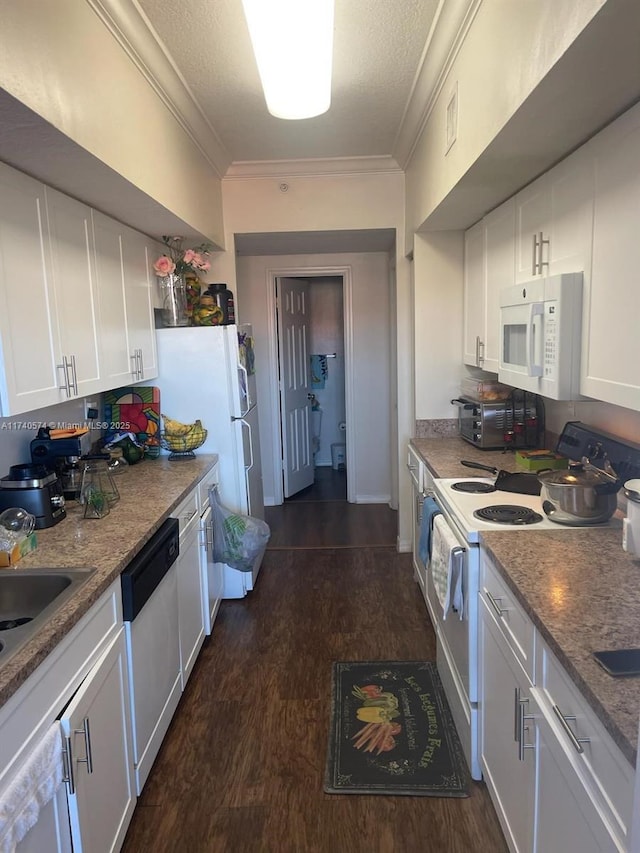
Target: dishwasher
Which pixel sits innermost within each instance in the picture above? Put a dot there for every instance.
(150, 610)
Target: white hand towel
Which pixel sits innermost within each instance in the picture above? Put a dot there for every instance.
(32, 787)
(442, 560)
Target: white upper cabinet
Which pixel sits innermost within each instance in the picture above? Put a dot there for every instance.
(114, 341)
(611, 344)
(136, 264)
(489, 266)
(473, 295)
(553, 220)
(74, 288)
(30, 351)
(76, 313)
(499, 264)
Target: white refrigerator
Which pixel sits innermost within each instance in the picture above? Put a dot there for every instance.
(208, 372)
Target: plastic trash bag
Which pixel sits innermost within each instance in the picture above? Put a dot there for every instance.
(238, 540)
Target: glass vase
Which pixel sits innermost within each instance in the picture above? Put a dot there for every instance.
(174, 300)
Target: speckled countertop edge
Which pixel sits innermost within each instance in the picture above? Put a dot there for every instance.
(578, 586)
(149, 492)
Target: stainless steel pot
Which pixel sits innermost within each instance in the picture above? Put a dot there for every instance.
(580, 495)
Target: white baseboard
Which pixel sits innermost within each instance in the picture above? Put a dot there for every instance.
(404, 545)
(373, 499)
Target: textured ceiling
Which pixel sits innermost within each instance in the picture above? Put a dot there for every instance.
(378, 49)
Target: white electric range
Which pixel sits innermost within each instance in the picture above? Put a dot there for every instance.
(457, 631)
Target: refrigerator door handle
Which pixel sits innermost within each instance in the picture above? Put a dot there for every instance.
(250, 465)
(244, 390)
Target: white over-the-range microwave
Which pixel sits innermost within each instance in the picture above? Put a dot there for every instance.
(540, 336)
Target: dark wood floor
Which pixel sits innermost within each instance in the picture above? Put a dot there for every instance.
(241, 768)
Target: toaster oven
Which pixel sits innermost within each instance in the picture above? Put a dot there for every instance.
(495, 424)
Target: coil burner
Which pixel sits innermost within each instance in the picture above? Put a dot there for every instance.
(508, 514)
(473, 486)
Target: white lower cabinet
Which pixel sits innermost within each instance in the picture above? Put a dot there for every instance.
(558, 782)
(82, 684)
(190, 587)
(507, 764)
(96, 729)
(566, 818)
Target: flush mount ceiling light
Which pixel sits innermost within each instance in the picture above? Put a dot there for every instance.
(293, 45)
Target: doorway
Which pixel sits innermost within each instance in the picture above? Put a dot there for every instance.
(321, 425)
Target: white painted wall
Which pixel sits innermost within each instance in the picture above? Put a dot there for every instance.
(61, 61)
(438, 271)
(328, 203)
(326, 311)
(372, 454)
(509, 48)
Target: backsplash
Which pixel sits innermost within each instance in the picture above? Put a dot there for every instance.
(438, 428)
(17, 432)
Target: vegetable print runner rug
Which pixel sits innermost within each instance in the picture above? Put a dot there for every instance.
(392, 732)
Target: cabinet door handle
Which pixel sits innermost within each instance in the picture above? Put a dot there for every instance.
(534, 262)
(495, 603)
(141, 365)
(576, 741)
(64, 367)
(481, 354)
(134, 368)
(521, 744)
(542, 262)
(477, 350)
(67, 760)
(74, 383)
(88, 759)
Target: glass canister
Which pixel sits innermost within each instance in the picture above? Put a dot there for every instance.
(98, 491)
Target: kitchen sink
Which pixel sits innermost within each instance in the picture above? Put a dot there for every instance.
(29, 598)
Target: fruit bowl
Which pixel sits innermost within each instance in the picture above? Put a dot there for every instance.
(182, 446)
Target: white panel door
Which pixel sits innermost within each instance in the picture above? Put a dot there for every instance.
(295, 406)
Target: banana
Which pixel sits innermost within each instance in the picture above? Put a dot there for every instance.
(173, 427)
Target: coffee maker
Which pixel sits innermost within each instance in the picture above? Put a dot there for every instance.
(60, 454)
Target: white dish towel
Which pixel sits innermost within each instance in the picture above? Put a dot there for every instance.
(445, 567)
(33, 786)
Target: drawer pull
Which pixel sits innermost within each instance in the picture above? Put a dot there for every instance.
(88, 759)
(495, 603)
(576, 741)
(521, 744)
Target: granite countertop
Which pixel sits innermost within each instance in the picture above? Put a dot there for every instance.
(149, 492)
(578, 586)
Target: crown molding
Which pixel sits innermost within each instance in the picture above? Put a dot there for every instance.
(133, 31)
(312, 168)
(450, 26)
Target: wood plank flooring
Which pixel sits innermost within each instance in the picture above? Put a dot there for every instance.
(242, 766)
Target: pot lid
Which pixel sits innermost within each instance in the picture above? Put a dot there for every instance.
(575, 475)
(632, 490)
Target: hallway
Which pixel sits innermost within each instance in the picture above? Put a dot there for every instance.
(242, 766)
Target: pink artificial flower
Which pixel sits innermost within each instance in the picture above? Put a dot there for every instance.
(190, 257)
(164, 265)
(205, 266)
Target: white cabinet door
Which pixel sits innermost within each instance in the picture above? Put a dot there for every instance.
(510, 777)
(74, 284)
(212, 573)
(29, 377)
(96, 728)
(611, 344)
(51, 832)
(116, 366)
(553, 220)
(190, 598)
(473, 308)
(532, 218)
(499, 272)
(138, 296)
(567, 819)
